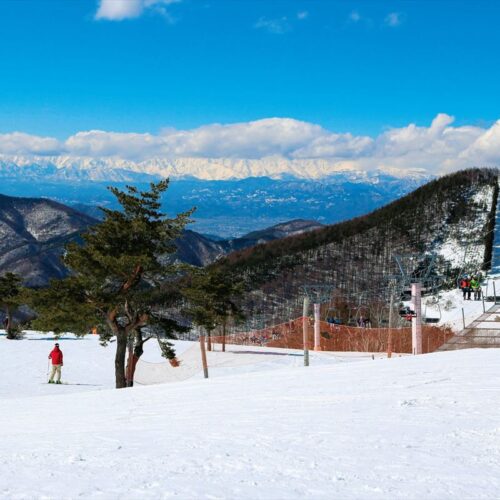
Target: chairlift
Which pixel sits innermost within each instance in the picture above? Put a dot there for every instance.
(471, 265)
(332, 317)
(407, 313)
(432, 319)
(361, 313)
(362, 318)
(406, 310)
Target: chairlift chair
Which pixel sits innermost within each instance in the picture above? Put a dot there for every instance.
(407, 313)
(432, 319)
(357, 310)
(362, 318)
(332, 317)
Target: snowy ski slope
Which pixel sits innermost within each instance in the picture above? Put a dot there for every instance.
(408, 427)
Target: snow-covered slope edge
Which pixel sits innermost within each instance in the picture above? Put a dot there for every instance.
(412, 427)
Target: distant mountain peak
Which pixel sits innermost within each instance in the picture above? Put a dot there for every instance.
(283, 229)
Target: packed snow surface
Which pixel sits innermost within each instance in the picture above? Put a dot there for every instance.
(407, 427)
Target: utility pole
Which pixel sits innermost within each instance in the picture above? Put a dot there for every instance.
(416, 322)
(389, 337)
(317, 338)
(316, 294)
(417, 272)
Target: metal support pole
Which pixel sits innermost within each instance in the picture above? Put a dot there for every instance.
(463, 317)
(203, 356)
(317, 339)
(482, 297)
(305, 311)
(389, 337)
(416, 323)
(494, 292)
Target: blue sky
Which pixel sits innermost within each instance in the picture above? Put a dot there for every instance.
(348, 66)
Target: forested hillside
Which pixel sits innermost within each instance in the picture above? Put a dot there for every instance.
(452, 217)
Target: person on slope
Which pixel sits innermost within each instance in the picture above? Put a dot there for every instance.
(476, 288)
(56, 356)
(465, 286)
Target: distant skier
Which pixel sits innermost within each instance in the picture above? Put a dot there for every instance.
(476, 288)
(465, 286)
(56, 356)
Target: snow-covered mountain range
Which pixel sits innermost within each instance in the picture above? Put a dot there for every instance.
(117, 169)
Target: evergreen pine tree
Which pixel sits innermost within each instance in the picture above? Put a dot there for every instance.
(117, 278)
(213, 295)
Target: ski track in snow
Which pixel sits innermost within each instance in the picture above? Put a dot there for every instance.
(408, 427)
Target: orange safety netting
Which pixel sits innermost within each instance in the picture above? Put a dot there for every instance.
(336, 337)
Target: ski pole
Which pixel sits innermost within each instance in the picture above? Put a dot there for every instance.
(48, 368)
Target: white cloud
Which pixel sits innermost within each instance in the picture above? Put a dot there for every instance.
(302, 15)
(19, 143)
(355, 16)
(394, 19)
(437, 148)
(336, 146)
(275, 26)
(117, 10)
(271, 136)
(97, 143)
(486, 146)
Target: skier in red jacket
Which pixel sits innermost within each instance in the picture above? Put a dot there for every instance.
(56, 356)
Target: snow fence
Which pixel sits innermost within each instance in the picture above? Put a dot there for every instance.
(245, 348)
(334, 337)
(147, 373)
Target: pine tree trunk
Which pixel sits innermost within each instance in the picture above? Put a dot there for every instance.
(121, 351)
(209, 341)
(9, 330)
(133, 357)
(130, 362)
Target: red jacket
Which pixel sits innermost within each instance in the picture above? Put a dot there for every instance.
(56, 356)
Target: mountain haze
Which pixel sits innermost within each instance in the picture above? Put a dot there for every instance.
(200, 250)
